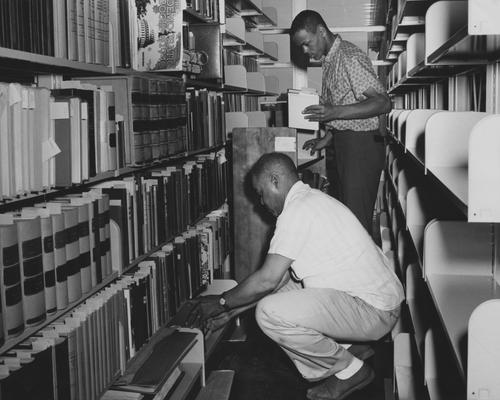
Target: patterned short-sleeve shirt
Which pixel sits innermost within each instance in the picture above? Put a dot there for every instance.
(347, 74)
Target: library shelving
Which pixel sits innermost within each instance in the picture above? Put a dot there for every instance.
(441, 202)
(152, 188)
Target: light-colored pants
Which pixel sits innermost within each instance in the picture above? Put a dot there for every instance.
(309, 324)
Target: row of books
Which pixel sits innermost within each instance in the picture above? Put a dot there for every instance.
(80, 354)
(76, 30)
(207, 8)
(152, 112)
(51, 254)
(56, 138)
(155, 109)
(206, 120)
(55, 252)
(239, 102)
(231, 57)
(148, 209)
(129, 33)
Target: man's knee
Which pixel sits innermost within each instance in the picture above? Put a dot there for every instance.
(263, 314)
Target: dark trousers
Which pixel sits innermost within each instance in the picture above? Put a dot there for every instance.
(358, 159)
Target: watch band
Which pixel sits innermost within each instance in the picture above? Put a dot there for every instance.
(222, 302)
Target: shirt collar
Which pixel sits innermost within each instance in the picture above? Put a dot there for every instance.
(333, 49)
(296, 188)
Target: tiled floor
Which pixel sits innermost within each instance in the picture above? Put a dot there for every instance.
(264, 372)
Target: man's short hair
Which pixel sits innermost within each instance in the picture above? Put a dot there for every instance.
(274, 162)
(308, 20)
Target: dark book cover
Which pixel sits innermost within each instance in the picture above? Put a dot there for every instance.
(124, 33)
(60, 357)
(139, 313)
(149, 372)
(171, 279)
(60, 113)
(181, 269)
(33, 381)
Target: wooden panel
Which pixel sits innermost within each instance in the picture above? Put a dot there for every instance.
(253, 226)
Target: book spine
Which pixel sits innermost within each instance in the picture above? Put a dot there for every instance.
(84, 245)
(72, 253)
(31, 260)
(10, 283)
(49, 264)
(60, 260)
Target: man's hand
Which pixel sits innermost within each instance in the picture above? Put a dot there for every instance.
(210, 306)
(320, 112)
(318, 144)
(217, 322)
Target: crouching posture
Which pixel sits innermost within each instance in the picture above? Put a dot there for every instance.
(324, 283)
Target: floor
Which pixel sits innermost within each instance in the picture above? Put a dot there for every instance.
(264, 372)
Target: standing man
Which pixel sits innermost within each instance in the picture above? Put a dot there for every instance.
(352, 98)
(342, 288)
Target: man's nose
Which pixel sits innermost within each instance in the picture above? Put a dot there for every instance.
(305, 49)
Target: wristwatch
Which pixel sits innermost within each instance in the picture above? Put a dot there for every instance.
(222, 302)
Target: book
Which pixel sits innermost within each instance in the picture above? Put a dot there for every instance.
(10, 281)
(158, 36)
(158, 365)
(72, 29)
(29, 237)
(60, 114)
(48, 260)
(72, 247)
(32, 377)
(71, 336)
(58, 228)
(298, 100)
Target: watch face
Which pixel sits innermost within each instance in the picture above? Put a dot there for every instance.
(222, 301)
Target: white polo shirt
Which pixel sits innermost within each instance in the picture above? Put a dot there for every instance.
(331, 249)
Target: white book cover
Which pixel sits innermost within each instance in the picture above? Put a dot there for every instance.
(298, 100)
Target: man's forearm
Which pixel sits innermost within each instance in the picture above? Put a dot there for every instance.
(371, 107)
(251, 290)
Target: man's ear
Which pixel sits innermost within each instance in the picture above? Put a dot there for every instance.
(275, 180)
(321, 30)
